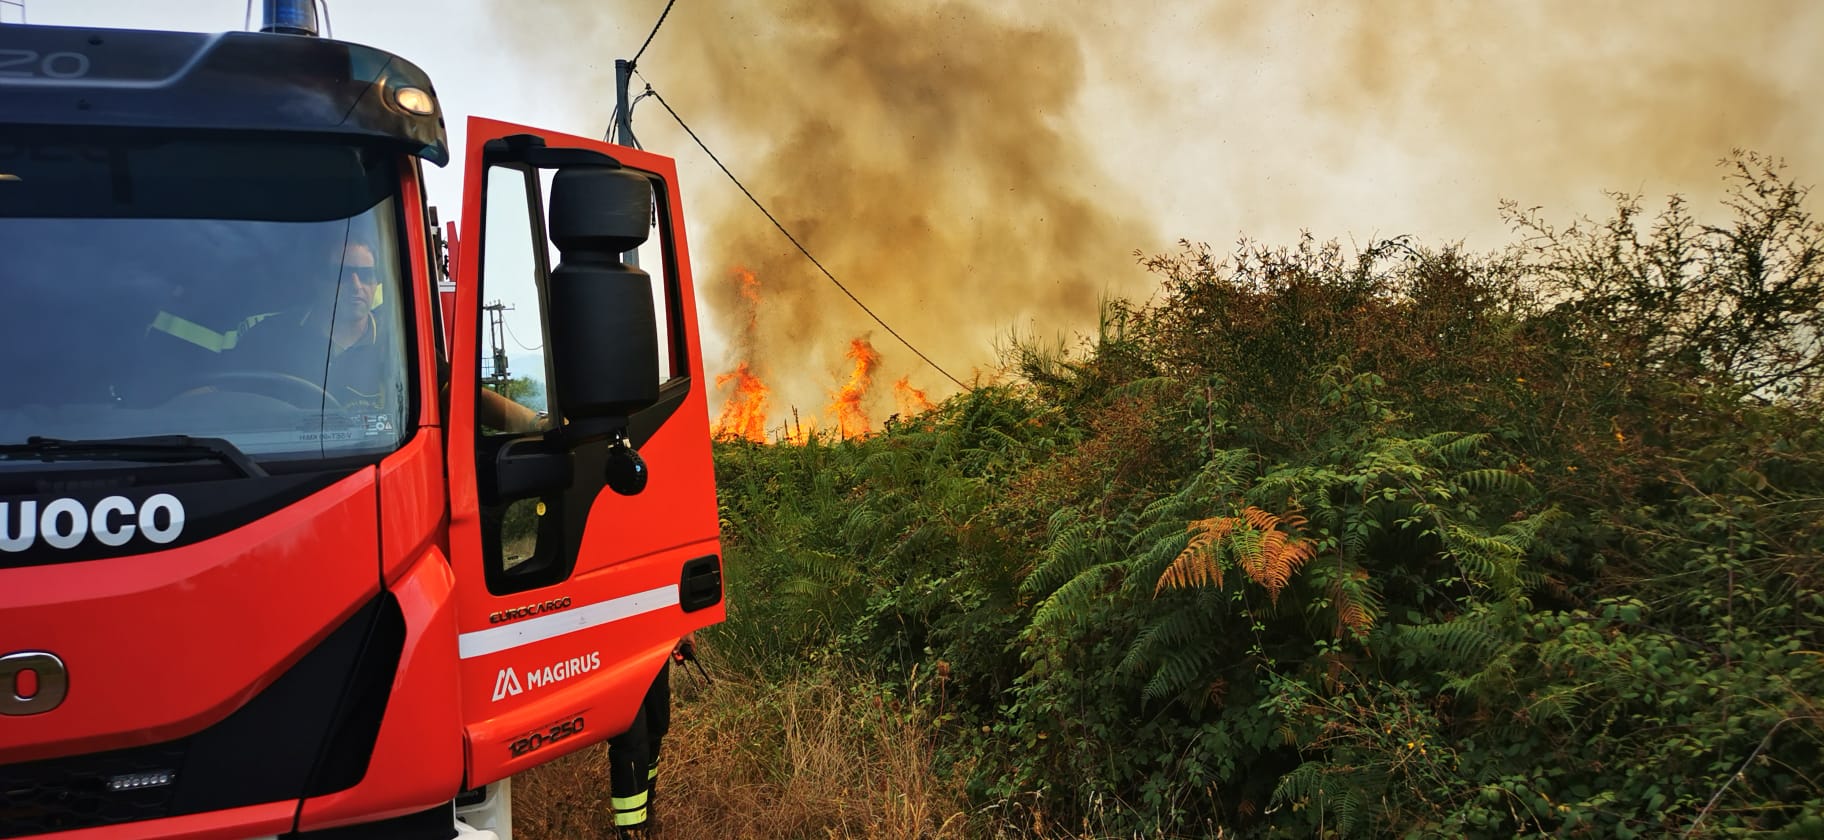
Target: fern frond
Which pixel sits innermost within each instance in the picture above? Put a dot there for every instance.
(1260, 520)
(1175, 506)
(1300, 785)
(1162, 632)
(1326, 788)
(1146, 386)
(1286, 563)
(1147, 539)
(1268, 555)
(1496, 481)
(1264, 552)
(1492, 561)
(1350, 808)
(886, 464)
(862, 520)
(1219, 478)
(801, 588)
(1125, 525)
(1182, 669)
(1455, 446)
(1152, 551)
(1462, 643)
(1070, 604)
(1357, 532)
(1524, 533)
(1076, 544)
(1200, 562)
(1226, 472)
(1177, 651)
(816, 580)
(1357, 602)
(1277, 487)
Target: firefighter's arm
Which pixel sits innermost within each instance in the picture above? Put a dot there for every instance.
(498, 412)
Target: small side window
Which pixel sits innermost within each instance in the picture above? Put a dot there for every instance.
(655, 259)
(514, 365)
(523, 538)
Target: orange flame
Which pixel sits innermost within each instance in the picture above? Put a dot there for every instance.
(744, 415)
(851, 418)
(749, 287)
(911, 401)
(800, 431)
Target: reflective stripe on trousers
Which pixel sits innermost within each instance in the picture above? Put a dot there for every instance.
(629, 810)
(633, 756)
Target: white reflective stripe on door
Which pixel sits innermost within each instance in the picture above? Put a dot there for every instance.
(528, 631)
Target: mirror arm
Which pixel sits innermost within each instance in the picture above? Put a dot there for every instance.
(580, 431)
(626, 470)
(531, 150)
(527, 467)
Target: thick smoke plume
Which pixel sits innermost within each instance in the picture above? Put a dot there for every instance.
(1417, 116)
(925, 153)
(974, 168)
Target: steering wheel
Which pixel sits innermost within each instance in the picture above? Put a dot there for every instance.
(295, 390)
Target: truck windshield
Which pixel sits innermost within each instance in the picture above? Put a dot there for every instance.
(211, 286)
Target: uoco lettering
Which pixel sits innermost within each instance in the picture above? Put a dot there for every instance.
(65, 523)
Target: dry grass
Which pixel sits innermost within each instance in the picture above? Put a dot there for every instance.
(817, 755)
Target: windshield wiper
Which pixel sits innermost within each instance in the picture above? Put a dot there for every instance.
(159, 448)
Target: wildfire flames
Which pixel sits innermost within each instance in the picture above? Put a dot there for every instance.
(744, 415)
(798, 432)
(851, 418)
(911, 401)
(750, 293)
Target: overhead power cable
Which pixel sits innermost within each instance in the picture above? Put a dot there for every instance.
(620, 129)
(522, 345)
(629, 141)
(655, 31)
(794, 240)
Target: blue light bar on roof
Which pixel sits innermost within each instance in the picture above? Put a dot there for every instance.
(289, 17)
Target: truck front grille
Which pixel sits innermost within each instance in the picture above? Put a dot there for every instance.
(86, 791)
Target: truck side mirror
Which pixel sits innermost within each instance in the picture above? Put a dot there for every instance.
(605, 346)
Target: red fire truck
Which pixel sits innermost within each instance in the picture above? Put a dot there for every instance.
(281, 554)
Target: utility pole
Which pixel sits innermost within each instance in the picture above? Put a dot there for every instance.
(622, 130)
(499, 376)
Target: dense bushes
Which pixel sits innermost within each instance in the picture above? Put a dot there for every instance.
(1407, 542)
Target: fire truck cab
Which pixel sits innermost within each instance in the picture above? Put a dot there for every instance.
(282, 554)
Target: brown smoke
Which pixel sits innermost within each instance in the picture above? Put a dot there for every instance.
(926, 154)
(1417, 116)
(967, 168)
(1579, 96)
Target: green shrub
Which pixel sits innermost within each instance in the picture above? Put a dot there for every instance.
(1404, 542)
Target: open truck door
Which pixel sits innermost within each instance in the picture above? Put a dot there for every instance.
(584, 536)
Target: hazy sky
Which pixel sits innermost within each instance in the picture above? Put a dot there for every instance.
(973, 167)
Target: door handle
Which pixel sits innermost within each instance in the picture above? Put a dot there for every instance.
(700, 584)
